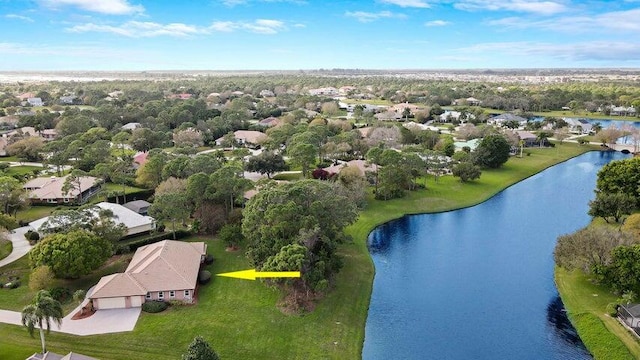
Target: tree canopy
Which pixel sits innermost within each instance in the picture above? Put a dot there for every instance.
(72, 254)
(307, 213)
(492, 151)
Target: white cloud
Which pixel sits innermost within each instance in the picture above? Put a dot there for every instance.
(437, 23)
(364, 16)
(137, 29)
(300, 25)
(536, 7)
(110, 7)
(616, 21)
(407, 3)
(19, 17)
(583, 51)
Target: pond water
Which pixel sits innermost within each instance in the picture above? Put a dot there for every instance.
(477, 283)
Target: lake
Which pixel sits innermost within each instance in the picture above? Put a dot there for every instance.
(477, 283)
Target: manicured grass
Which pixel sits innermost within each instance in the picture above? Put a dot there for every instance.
(586, 305)
(117, 187)
(22, 170)
(9, 159)
(5, 248)
(35, 212)
(240, 319)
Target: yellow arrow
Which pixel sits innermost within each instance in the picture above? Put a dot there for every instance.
(252, 274)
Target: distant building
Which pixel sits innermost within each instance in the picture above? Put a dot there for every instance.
(53, 356)
(35, 101)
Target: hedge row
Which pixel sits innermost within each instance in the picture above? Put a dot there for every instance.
(136, 195)
(134, 245)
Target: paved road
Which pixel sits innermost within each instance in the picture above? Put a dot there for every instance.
(21, 245)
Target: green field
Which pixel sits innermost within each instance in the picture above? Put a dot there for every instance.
(22, 170)
(240, 319)
(586, 305)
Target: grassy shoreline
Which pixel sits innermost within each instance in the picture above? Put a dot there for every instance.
(586, 304)
(240, 319)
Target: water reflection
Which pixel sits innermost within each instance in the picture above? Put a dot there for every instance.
(560, 324)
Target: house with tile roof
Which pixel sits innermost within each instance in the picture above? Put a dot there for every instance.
(48, 190)
(166, 270)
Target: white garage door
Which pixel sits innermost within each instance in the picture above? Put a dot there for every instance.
(111, 303)
(136, 301)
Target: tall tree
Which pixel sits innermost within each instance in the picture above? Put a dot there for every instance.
(492, 151)
(266, 163)
(11, 195)
(41, 313)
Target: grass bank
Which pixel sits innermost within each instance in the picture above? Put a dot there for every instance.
(586, 305)
(6, 247)
(239, 318)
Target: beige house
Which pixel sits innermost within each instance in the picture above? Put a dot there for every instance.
(48, 190)
(362, 166)
(246, 137)
(166, 270)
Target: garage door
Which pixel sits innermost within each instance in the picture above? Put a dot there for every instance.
(136, 301)
(111, 303)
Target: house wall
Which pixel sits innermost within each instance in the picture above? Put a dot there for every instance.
(140, 229)
(179, 295)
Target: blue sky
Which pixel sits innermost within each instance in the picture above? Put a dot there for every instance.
(310, 34)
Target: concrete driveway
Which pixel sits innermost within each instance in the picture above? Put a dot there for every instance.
(102, 322)
(21, 245)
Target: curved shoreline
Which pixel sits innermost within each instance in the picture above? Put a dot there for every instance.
(397, 215)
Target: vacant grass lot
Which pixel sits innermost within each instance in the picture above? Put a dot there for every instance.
(586, 305)
(239, 318)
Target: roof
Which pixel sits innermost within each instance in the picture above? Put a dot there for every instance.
(526, 135)
(250, 136)
(125, 216)
(270, 121)
(508, 117)
(140, 158)
(131, 126)
(632, 309)
(121, 215)
(361, 165)
(136, 205)
(162, 266)
(51, 187)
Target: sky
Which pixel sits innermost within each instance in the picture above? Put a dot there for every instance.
(141, 35)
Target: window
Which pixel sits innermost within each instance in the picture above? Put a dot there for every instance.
(66, 200)
(187, 293)
(172, 294)
(160, 294)
(52, 201)
(148, 296)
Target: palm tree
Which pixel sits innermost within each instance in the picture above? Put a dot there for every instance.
(43, 309)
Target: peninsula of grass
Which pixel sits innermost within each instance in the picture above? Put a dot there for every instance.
(586, 304)
(240, 318)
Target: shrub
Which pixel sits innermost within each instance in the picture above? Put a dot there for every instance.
(208, 260)
(41, 278)
(154, 306)
(13, 285)
(61, 294)
(204, 277)
(32, 235)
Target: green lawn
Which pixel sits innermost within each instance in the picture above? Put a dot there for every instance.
(586, 305)
(6, 247)
(35, 212)
(22, 170)
(239, 318)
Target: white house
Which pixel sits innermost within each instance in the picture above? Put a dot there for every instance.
(134, 222)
